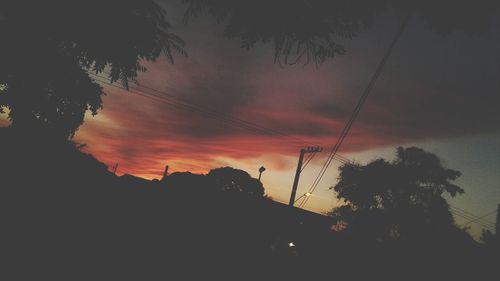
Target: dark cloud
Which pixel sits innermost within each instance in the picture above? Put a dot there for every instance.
(446, 87)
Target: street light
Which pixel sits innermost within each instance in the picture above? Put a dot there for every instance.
(307, 194)
(261, 170)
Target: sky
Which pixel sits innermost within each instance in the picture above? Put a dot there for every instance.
(436, 92)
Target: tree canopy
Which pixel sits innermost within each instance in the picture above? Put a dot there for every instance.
(48, 48)
(398, 200)
(314, 30)
(235, 180)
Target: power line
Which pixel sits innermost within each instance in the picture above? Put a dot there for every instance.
(470, 214)
(481, 217)
(194, 108)
(190, 108)
(205, 109)
(471, 218)
(357, 109)
(486, 226)
(478, 223)
(302, 197)
(187, 105)
(308, 159)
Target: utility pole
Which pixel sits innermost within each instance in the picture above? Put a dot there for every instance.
(299, 170)
(165, 174)
(115, 167)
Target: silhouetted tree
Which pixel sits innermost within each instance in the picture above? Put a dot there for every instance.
(398, 200)
(48, 48)
(491, 240)
(234, 180)
(298, 29)
(310, 30)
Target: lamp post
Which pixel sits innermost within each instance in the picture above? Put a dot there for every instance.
(261, 170)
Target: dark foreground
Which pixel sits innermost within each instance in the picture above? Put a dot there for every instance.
(65, 217)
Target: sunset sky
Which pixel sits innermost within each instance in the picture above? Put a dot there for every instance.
(436, 92)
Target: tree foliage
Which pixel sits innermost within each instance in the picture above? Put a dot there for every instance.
(492, 240)
(313, 30)
(299, 30)
(397, 200)
(48, 48)
(235, 180)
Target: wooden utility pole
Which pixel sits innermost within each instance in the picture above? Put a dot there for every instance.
(299, 169)
(115, 167)
(165, 174)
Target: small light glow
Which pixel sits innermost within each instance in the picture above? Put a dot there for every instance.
(291, 245)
